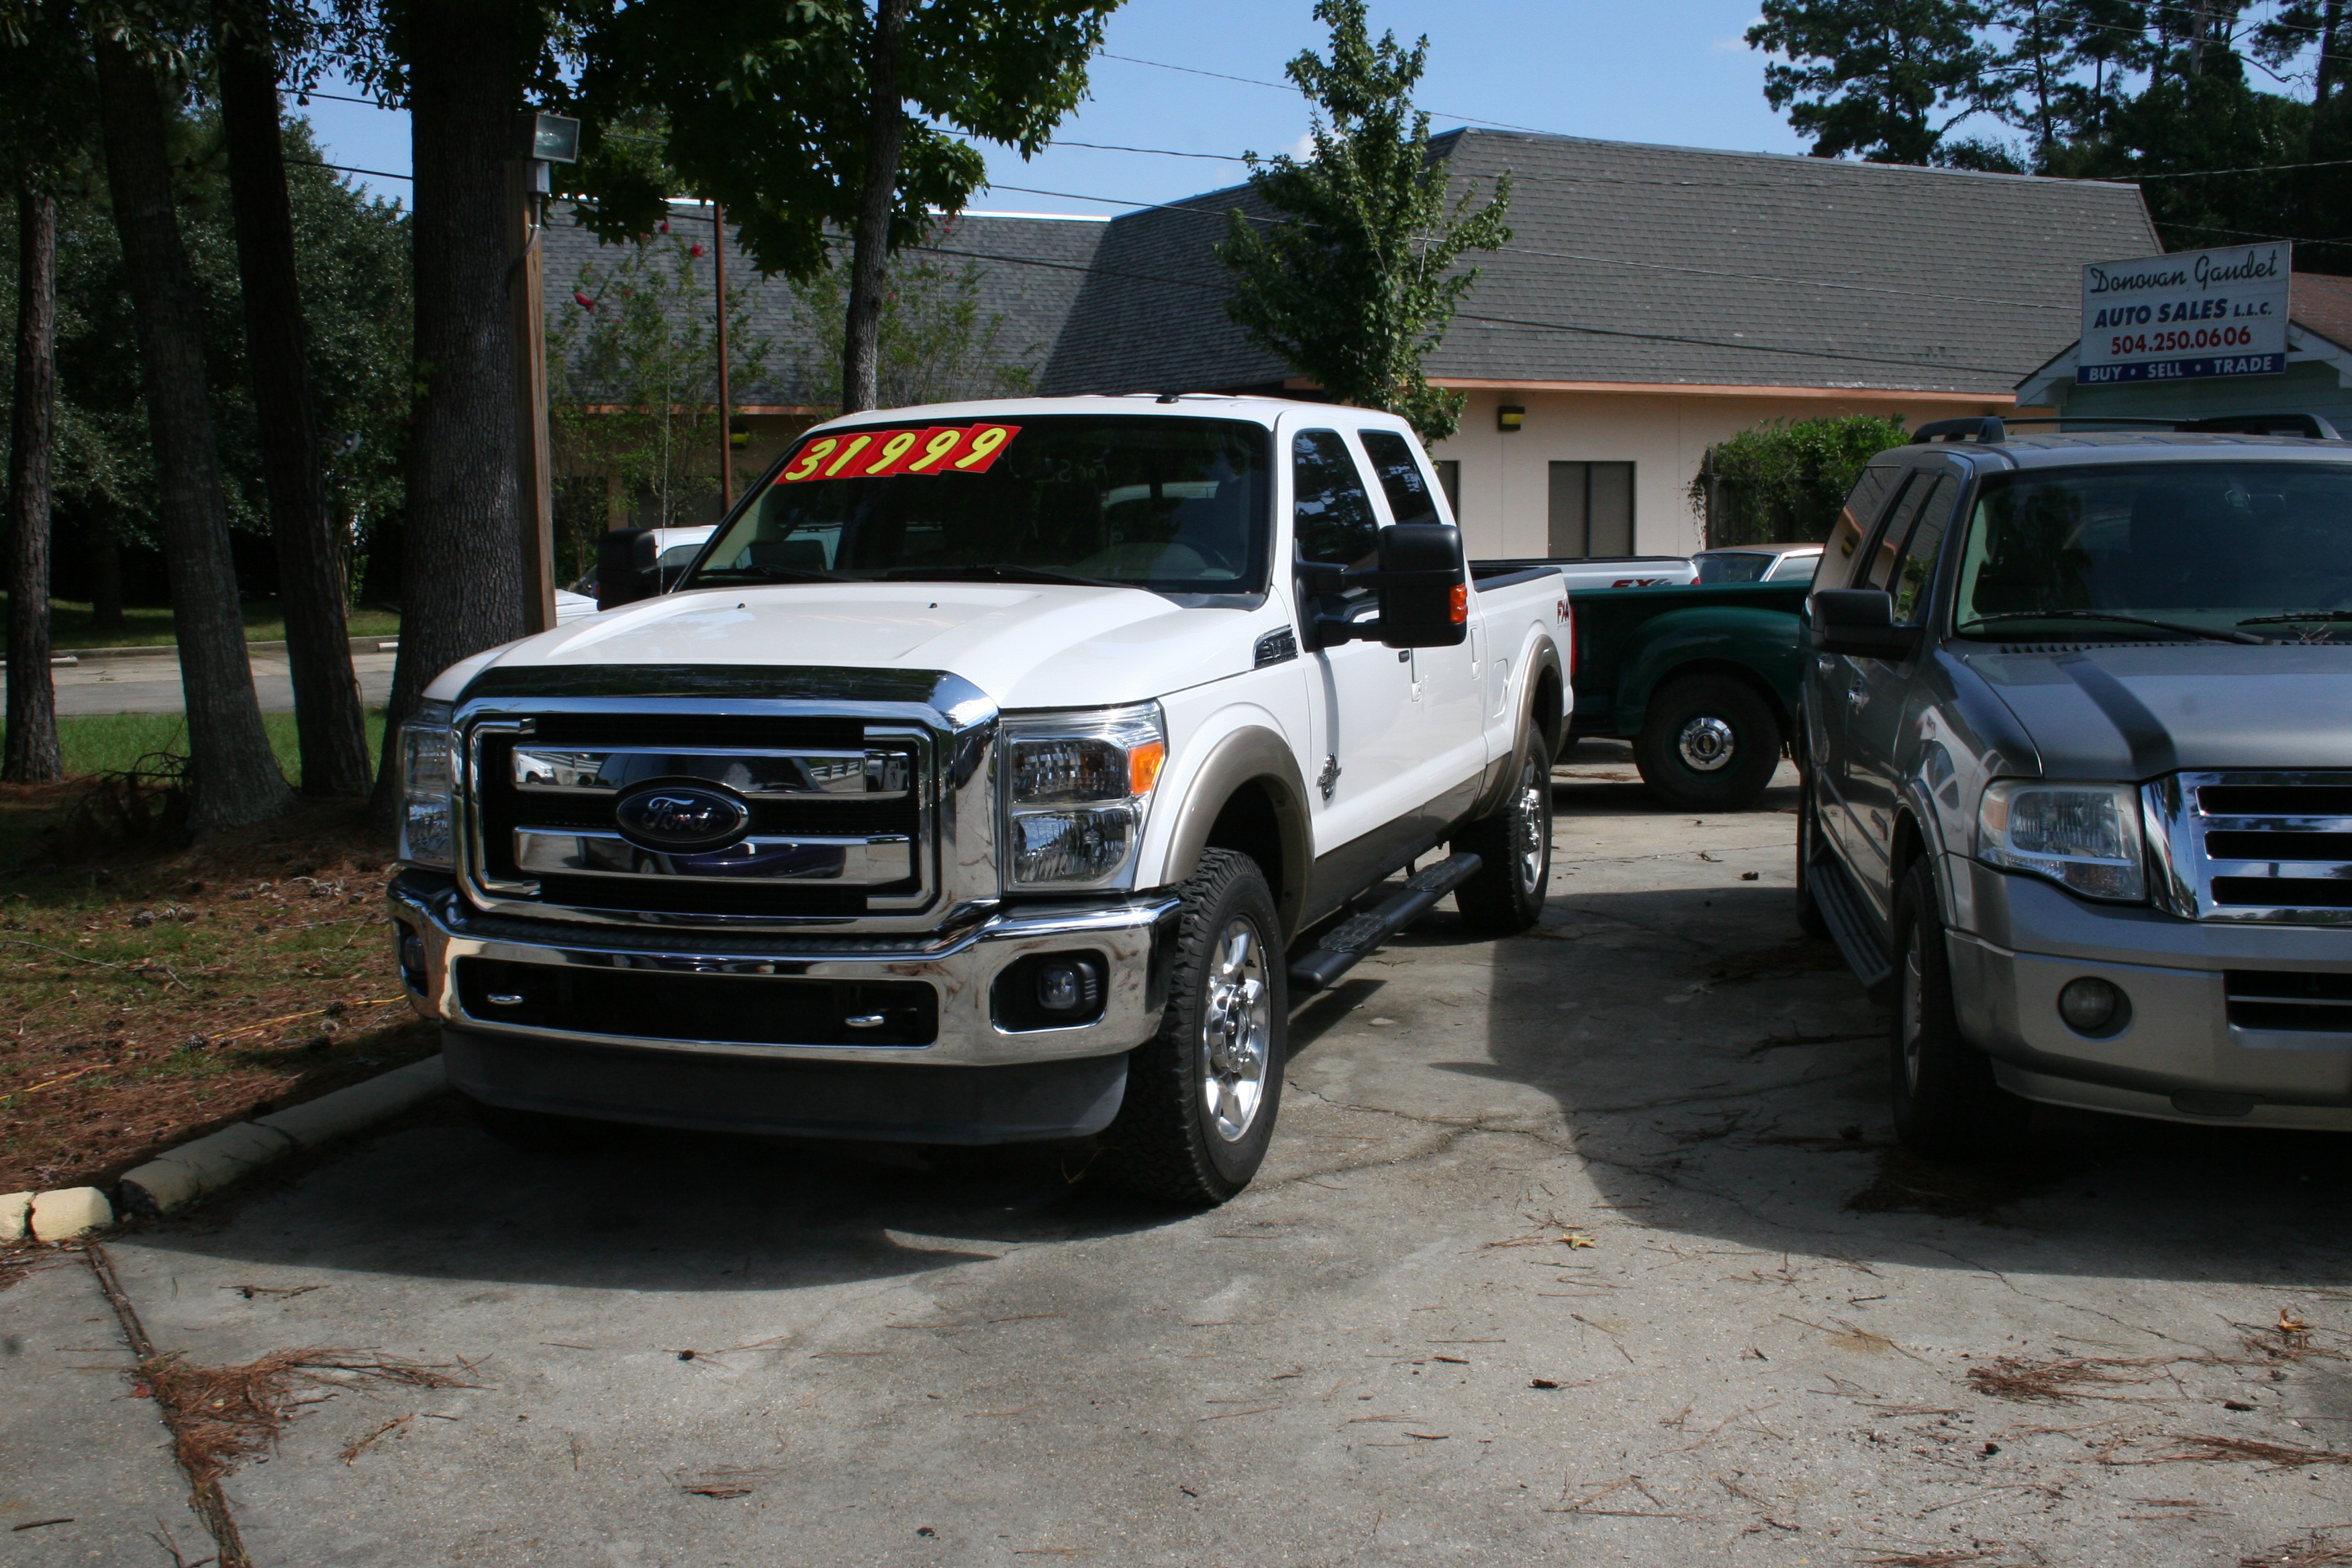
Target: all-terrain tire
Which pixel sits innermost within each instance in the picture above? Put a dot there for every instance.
(1513, 843)
(1810, 919)
(1947, 1103)
(1203, 1093)
(1709, 742)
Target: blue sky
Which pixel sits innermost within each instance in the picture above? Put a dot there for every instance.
(1670, 70)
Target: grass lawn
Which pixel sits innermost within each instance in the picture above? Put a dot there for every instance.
(113, 743)
(150, 626)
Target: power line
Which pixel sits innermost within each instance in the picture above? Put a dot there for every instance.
(347, 169)
(1292, 87)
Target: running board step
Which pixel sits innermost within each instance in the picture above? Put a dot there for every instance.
(1353, 938)
(1841, 907)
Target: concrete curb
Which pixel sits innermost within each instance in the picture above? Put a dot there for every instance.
(55, 1215)
(381, 642)
(170, 1183)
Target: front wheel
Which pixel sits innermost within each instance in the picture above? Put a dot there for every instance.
(1202, 1094)
(1513, 844)
(1947, 1103)
(1709, 742)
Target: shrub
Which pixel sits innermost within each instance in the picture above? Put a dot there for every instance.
(1785, 480)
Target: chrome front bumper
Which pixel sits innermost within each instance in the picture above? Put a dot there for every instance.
(2180, 1058)
(961, 970)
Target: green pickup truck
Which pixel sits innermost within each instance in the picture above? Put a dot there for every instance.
(1702, 678)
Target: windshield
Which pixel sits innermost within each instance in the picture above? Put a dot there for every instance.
(1734, 567)
(1173, 505)
(2205, 549)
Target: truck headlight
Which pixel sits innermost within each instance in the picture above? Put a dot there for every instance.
(428, 777)
(1076, 786)
(2085, 837)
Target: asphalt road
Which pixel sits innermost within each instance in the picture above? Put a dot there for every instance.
(1584, 1246)
(153, 685)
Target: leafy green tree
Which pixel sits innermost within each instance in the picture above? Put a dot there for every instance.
(1784, 481)
(632, 378)
(935, 343)
(1872, 77)
(822, 118)
(1356, 281)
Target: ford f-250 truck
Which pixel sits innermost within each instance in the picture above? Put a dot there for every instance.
(2078, 774)
(998, 773)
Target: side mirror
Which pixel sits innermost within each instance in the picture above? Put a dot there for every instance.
(625, 568)
(1424, 591)
(1860, 624)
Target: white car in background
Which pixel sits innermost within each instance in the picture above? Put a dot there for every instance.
(1758, 562)
(678, 548)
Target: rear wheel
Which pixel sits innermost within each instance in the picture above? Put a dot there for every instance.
(1203, 1093)
(1513, 844)
(1709, 743)
(1947, 1103)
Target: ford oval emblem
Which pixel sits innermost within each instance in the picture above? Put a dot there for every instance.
(682, 818)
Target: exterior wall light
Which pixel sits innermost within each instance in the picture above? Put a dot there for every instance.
(1509, 417)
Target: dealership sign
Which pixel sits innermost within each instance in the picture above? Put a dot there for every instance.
(2198, 313)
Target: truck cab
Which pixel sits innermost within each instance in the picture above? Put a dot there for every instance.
(996, 773)
(2078, 782)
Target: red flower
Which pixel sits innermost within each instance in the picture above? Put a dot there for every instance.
(665, 228)
(585, 304)
(694, 250)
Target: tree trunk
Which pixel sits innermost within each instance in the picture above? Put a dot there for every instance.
(329, 720)
(234, 778)
(886, 136)
(463, 583)
(32, 745)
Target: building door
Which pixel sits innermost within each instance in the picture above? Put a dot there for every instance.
(1592, 510)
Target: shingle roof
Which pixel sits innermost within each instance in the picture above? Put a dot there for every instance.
(2322, 303)
(1685, 267)
(1032, 301)
(1629, 264)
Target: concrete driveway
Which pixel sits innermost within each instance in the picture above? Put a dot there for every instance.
(1583, 1246)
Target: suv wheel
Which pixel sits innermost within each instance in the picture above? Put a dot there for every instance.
(1947, 1104)
(1203, 1093)
(1709, 743)
(1514, 841)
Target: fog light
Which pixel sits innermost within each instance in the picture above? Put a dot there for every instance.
(1068, 986)
(2093, 1007)
(412, 959)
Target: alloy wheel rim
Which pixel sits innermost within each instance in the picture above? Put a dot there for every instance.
(1534, 827)
(1237, 1033)
(1706, 743)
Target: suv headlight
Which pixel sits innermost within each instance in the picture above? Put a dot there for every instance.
(2085, 837)
(428, 777)
(1074, 790)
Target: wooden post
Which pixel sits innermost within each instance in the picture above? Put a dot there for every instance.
(535, 488)
(725, 403)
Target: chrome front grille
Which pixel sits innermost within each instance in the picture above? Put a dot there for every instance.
(2257, 847)
(869, 818)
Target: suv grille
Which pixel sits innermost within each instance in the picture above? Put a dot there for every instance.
(2255, 847)
(2290, 999)
(839, 815)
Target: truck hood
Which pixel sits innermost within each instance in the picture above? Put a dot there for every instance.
(2120, 711)
(1027, 647)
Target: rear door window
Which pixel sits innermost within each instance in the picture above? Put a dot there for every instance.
(1407, 487)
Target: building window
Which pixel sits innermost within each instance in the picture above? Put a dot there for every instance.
(1449, 480)
(1591, 510)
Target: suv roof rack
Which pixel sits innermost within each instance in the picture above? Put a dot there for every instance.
(1987, 429)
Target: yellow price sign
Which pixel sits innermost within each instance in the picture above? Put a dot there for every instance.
(886, 454)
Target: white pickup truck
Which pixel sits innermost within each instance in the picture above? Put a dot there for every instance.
(1000, 771)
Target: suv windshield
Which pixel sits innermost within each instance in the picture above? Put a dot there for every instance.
(2141, 550)
(1173, 505)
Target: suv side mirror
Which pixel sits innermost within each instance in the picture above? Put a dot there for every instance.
(625, 568)
(1424, 595)
(1860, 624)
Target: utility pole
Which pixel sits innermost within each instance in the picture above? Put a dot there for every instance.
(725, 403)
(545, 139)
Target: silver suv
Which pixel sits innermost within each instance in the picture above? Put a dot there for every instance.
(2077, 757)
